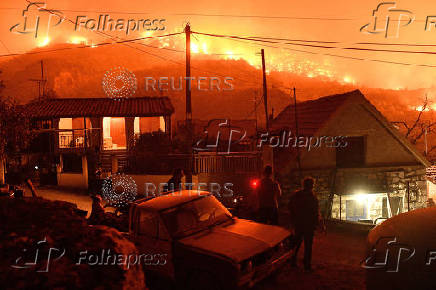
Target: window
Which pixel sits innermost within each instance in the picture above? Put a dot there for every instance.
(352, 155)
(114, 133)
(355, 210)
(71, 163)
(143, 125)
(72, 133)
(148, 224)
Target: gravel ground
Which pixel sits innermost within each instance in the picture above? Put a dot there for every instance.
(336, 264)
(80, 198)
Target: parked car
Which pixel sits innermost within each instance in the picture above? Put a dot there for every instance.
(197, 243)
(401, 252)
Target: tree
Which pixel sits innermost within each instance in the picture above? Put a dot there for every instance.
(15, 133)
(419, 128)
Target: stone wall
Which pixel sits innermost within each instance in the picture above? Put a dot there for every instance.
(369, 180)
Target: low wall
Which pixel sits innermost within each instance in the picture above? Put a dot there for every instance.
(73, 180)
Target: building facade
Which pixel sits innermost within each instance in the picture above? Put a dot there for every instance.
(75, 135)
(365, 170)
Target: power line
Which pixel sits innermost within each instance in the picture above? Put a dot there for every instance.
(232, 37)
(316, 46)
(338, 42)
(91, 45)
(51, 11)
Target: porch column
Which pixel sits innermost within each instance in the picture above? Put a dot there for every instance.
(2, 170)
(96, 136)
(85, 171)
(130, 132)
(168, 126)
(56, 135)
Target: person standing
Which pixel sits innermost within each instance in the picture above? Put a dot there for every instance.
(97, 212)
(269, 193)
(174, 184)
(304, 211)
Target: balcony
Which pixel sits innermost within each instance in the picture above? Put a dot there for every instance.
(77, 138)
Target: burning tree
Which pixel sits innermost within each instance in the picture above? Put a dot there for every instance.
(421, 130)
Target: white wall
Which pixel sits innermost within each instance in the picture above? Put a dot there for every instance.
(74, 180)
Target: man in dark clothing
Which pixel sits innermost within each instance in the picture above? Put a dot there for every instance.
(97, 212)
(175, 182)
(269, 193)
(304, 211)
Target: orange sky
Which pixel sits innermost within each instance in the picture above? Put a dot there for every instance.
(346, 18)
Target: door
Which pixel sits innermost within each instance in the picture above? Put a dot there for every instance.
(154, 244)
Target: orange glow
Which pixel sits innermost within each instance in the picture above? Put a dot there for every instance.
(78, 40)
(194, 48)
(43, 41)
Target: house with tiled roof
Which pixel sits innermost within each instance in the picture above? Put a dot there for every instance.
(365, 170)
(75, 135)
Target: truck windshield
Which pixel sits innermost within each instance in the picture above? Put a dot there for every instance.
(195, 216)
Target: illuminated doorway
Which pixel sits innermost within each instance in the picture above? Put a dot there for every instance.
(114, 133)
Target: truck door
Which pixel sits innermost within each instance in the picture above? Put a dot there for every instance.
(154, 244)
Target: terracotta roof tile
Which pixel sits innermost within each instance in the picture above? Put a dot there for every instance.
(312, 115)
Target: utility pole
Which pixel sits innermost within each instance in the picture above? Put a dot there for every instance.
(41, 83)
(188, 75)
(255, 109)
(265, 92)
(296, 134)
(188, 117)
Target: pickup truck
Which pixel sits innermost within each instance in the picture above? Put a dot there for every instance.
(195, 242)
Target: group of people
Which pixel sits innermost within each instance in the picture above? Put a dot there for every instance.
(303, 209)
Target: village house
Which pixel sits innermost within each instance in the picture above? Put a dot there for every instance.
(75, 135)
(370, 174)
